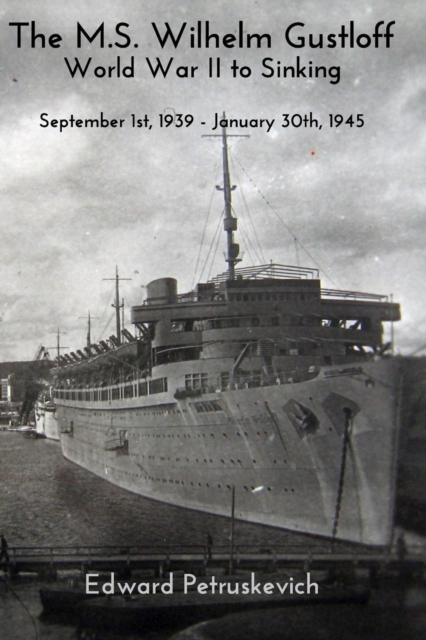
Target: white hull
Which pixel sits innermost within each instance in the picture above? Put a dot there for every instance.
(45, 420)
(288, 472)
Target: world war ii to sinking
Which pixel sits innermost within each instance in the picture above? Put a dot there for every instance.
(215, 68)
(208, 586)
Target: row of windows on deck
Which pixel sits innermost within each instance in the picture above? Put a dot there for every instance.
(131, 390)
(173, 353)
(200, 324)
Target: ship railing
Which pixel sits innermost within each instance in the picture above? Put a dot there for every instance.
(288, 376)
(190, 296)
(182, 298)
(323, 551)
(224, 382)
(353, 295)
(112, 551)
(275, 271)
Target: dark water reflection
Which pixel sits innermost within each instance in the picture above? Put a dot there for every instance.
(45, 500)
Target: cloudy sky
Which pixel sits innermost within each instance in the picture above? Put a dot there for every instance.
(75, 204)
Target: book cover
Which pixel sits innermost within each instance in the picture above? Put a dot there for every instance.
(116, 181)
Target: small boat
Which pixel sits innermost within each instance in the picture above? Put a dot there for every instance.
(178, 608)
(45, 417)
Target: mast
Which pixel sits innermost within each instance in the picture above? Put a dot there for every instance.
(230, 223)
(89, 337)
(117, 305)
(89, 334)
(58, 342)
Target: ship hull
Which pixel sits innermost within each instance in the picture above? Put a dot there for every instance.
(45, 420)
(317, 456)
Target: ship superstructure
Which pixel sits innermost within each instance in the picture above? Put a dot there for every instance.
(258, 382)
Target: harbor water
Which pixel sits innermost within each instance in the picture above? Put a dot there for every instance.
(46, 500)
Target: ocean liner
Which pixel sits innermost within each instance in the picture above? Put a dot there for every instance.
(259, 383)
(45, 417)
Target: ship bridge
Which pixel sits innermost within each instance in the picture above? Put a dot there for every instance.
(262, 284)
(276, 307)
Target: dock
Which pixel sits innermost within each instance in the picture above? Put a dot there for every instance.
(47, 561)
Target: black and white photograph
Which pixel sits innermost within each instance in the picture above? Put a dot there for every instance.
(212, 347)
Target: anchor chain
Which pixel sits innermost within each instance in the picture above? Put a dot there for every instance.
(348, 424)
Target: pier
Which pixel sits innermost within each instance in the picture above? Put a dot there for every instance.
(47, 561)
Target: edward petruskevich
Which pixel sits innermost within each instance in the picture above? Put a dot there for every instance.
(190, 583)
